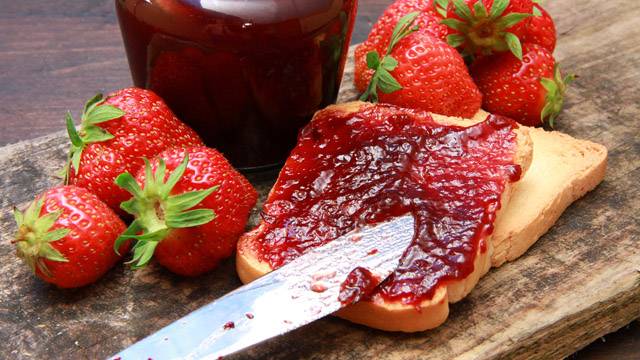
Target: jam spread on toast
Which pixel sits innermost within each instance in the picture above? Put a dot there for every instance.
(349, 170)
(359, 283)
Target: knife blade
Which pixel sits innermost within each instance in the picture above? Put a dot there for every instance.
(304, 290)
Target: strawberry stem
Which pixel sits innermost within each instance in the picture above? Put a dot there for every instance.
(156, 211)
(95, 112)
(483, 31)
(34, 236)
(554, 98)
(382, 78)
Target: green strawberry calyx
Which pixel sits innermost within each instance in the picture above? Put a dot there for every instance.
(554, 97)
(156, 211)
(95, 112)
(382, 78)
(484, 30)
(34, 236)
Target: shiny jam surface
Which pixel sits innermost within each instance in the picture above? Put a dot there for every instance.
(246, 75)
(383, 161)
(359, 283)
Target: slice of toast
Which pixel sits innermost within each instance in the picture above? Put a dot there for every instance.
(563, 170)
(396, 316)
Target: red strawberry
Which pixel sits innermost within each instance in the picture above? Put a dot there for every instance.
(540, 29)
(530, 91)
(481, 27)
(66, 236)
(362, 73)
(116, 133)
(378, 40)
(420, 71)
(175, 199)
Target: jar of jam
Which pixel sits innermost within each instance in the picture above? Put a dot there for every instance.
(245, 74)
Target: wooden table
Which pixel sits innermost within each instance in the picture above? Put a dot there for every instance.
(55, 54)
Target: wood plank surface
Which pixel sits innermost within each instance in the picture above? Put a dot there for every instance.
(581, 281)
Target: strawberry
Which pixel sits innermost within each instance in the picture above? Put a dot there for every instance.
(175, 200)
(482, 27)
(66, 236)
(378, 40)
(421, 71)
(540, 29)
(116, 133)
(531, 90)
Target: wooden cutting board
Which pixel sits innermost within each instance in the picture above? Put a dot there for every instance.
(579, 282)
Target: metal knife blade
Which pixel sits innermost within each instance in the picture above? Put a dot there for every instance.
(304, 290)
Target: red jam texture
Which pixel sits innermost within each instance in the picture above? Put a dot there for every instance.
(359, 283)
(349, 170)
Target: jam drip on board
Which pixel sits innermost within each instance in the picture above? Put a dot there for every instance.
(349, 170)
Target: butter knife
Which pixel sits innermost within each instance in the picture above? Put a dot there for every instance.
(304, 290)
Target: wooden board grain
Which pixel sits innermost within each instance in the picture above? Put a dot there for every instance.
(579, 282)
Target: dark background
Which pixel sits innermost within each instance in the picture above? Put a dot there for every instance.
(55, 54)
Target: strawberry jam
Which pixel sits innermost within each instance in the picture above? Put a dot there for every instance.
(349, 170)
(359, 283)
(246, 75)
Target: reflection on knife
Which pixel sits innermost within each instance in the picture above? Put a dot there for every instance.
(308, 288)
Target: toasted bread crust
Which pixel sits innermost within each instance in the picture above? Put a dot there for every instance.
(563, 170)
(395, 316)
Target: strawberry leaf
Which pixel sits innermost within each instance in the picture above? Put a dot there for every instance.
(479, 9)
(184, 201)
(45, 222)
(91, 103)
(133, 229)
(370, 93)
(102, 113)
(142, 254)
(156, 211)
(55, 235)
(402, 29)
(441, 7)
(462, 10)
(127, 182)
(94, 134)
(34, 237)
(511, 19)
(94, 112)
(455, 24)
(498, 8)
(455, 40)
(190, 218)
(554, 99)
(176, 174)
(382, 77)
(75, 160)
(549, 85)
(513, 43)
(536, 11)
(51, 253)
(373, 60)
(33, 211)
(72, 132)
(18, 216)
(389, 63)
(387, 83)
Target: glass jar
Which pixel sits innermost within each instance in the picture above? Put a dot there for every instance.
(245, 74)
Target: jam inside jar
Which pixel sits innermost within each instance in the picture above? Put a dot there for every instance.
(245, 74)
